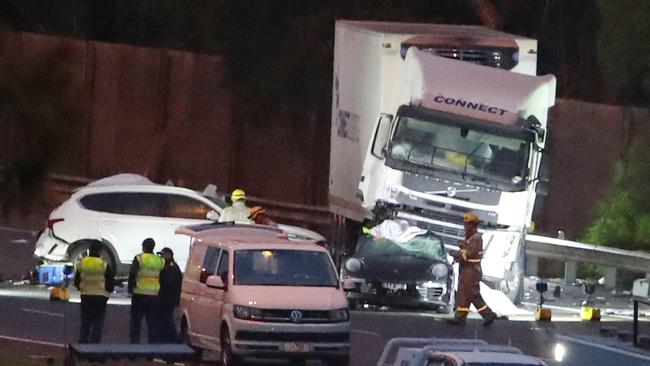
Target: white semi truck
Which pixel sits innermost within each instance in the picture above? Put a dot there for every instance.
(425, 137)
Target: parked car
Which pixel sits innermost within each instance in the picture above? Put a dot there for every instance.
(249, 291)
(452, 352)
(123, 210)
(401, 272)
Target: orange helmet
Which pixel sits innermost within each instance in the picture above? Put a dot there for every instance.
(471, 217)
(255, 211)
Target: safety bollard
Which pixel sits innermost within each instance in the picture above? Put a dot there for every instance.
(541, 313)
(590, 313)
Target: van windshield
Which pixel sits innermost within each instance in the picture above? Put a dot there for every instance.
(284, 268)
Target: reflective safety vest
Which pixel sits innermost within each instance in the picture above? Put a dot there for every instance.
(93, 281)
(147, 282)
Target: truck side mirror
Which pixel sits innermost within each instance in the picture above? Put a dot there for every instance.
(544, 175)
(542, 187)
(541, 134)
(381, 135)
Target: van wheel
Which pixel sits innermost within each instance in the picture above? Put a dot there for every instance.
(81, 250)
(185, 339)
(227, 358)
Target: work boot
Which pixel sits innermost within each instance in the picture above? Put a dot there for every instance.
(455, 321)
(489, 320)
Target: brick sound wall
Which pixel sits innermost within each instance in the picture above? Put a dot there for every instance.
(585, 142)
(167, 115)
(161, 113)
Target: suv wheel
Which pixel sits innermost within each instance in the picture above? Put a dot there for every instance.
(227, 358)
(81, 250)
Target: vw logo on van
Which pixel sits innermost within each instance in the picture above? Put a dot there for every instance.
(296, 316)
(451, 191)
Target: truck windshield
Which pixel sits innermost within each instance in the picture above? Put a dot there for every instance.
(488, 156)
(284, 268)
(425, 246)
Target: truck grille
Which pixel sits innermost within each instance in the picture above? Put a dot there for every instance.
(492, 57)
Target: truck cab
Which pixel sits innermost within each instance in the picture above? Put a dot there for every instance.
(430, 137)
(450, 149)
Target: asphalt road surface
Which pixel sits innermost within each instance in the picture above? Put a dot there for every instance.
(36, 320)
(29, 318)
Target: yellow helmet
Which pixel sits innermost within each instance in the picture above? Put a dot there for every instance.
(238, 195)
(471, 217)
(255, 211)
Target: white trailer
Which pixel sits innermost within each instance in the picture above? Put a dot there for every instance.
(431, 138)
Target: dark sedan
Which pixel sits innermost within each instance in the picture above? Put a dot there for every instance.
(412, 273)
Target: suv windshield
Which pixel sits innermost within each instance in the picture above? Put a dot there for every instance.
(283, 268)
(485, 155)
(427, 246)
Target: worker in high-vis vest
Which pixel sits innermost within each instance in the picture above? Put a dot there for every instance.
(238, 212)
(94, 279)
(144, 284)
(469, 278)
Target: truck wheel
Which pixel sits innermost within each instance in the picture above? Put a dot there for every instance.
(80, 250)
(516, 286)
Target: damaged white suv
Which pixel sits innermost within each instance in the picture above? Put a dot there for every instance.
(123, 210)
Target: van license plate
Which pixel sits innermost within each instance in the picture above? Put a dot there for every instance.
(394, 286)
(295, 347)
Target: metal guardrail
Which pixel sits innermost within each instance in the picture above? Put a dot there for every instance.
(539, 246)
(304, 213)
(566, 250)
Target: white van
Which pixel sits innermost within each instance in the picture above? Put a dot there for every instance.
(249, 291)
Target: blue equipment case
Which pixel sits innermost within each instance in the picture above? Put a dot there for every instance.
(54, 274)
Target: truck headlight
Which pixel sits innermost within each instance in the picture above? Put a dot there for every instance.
(439, 270)
(353, 265)
(339, 315)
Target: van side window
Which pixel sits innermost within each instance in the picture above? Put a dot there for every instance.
(209, 263)
(222, 269)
